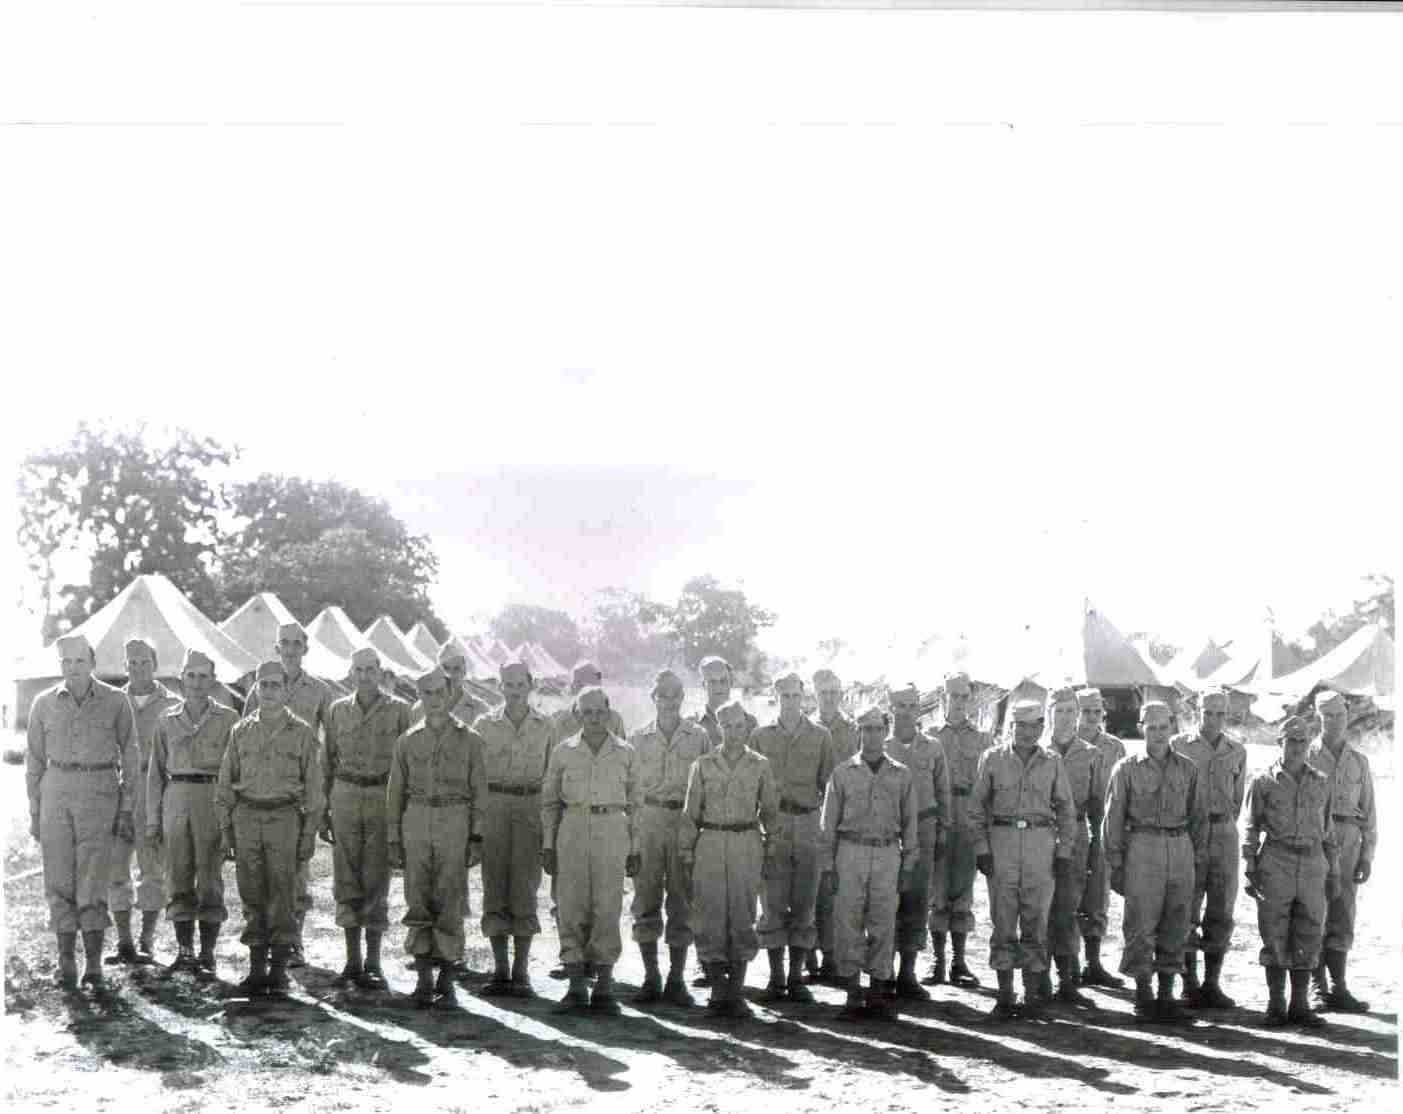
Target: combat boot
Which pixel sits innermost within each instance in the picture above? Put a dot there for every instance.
(500, 984)
(719, 982)
(1045, 992)
(355, 964)
(1320, 986)
(1033, 1000)
(277, 969)
(256, 981)
(828, 972)
(1192, 988)
(675, 990)
(796, 987)
(1005, 1005)
(602, 999)
(423, 996)
(652, 988)
(774, 990)
(736, 1005)
(1341, 1000)
(936, 976)
(184, 947)
(126, 947)
(1144, 998)
(1299, 1011)
(68, 960)
(209, 933)
(1276, 997)
(146, 946)
(811, 966)
(521, 979)
(881, 1000)
(1067, 991)
(445, 993)
(906, 986)
(1167, 1008)
(1210, 995)
(853, 1008)
(577, 993)
(1094, 974)
(92, 953)
(960, 974)
(373, 977)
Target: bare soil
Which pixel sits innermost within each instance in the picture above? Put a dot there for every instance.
(173, 1045)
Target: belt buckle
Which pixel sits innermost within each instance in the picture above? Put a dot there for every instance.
(1020, 824)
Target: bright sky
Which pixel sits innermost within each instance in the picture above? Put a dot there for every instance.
(906, 321)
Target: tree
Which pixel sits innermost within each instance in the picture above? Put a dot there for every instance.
(321, 543)
(709, 619)
(138, 505)
(628, 634)
(555, 630)
(1331, 629)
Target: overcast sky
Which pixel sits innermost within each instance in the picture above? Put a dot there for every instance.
(907, 321)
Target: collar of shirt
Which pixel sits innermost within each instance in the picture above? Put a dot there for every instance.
(182, 712)
(1278, 769)
(577, 741)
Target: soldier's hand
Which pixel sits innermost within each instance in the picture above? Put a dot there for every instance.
(474, 852)
(1253, 890)
(123, 828)
(394, 854)
(632, 865)
(548, 860)
(1061, 868)
(34, 829)
(1117, 880)
(327, 834)
(830, 881)
(1362, 869)
(227, 846)
(985, 864)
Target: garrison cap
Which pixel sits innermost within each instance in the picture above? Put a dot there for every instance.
(516, 667)
(193, 658)
(731, 711)
(591, 691)
(267, 670)
(1090, 699)
(587, 668)
(711, 663)
(958, 682)
(74, 646)
(430, 679)
(824, 677)
(872, 716)
(366, 655)
(789, 681)
(1328, 698)
(1214, 700)
(1065, 695)
(908, 690)
(1027, 711)
(449, 651)
(132, 645)
(666, 678)
(291, 630)
(1294, 727)
(1155, 708)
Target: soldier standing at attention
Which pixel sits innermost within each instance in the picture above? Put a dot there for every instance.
(1091, 710)
(269, 797)
(1356, 820)
(80, 774)
(829, 691)
(1292, 868)
(952, 884)
(150, 700)
(187, 752)
(719, 680)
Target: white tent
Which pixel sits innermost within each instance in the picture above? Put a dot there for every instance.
(422, 640)
(386, 637)
(254, 626)
(1361, 665)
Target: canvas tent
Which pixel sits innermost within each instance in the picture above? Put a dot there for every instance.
(386, 637)
(419, 637)
(542, 663)
(254, 626)
(333, 630)
(150, 607)
(478, 666)
(1361, 665)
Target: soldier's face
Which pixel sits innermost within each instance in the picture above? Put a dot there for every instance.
(141, 669)
(272, 693)
(593, 712)
(1089, 720)
(77, 669)
(668, 700)
(434, 695)
(1293, 751)
(366, 677)
(1027, 734)
(829, 699)
(1064, 719)
(1333, 721)
(874, 736)
(1157, 731)
(199, 680)
(291, 651)
(456, 670)
(905, 709)
(718, 687)
(516, 686)
(791, 701)
(1211, 722)
(957, 705)
(735, 729)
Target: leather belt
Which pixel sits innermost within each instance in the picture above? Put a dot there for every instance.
(82, 767)
(265, 806)
(1293, 848)
(439, 802)
(704, 826)
(796, 809)
(364, 782)
(1180, 830)
(1344, 818)
(513, 790)
(960, 790)
(598, 810)
(1020, 823)
(658, 802)
(195, 779)
(865, 841)
(927, 813)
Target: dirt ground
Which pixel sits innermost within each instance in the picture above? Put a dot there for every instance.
(171, 1045)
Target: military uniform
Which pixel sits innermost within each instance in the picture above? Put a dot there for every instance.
(924, 757)
(845, 744)
(149, 895)
(1087, 778)
(1096, 897)
(1224, 766)
(952, 890)
(465, 711)
(707, 721)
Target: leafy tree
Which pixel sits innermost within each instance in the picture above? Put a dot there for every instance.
(628, 634)
(555, 630)
(138, 505)
(1331, 629)
(709, 619)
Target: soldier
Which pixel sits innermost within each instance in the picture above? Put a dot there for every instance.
(1087, 776)
(1023, 822)
(309, 699)
(181, 815)
(1156, 842)
(80, 774)
(434, 799)
(1091, 709)
(924, 757)
(462, 705)
(731, 799)
(666, 749)
(269, 798)
(361, 733)
(1222, 763)
(1356, 823)
(952, 884)
(871, 854)
(718, 679)
(1293, 873)
(829, 692)
(589, 805)
(516, 741)
(150, 700)
(801, 756)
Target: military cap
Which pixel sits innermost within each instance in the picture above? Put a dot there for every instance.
(592, 690)
(1155, 708)
(872, 716)
(430, 679)
(193, 658)
(825, 677)
(449, 651)
(1064, 695)
(1027, 711)
(1294, 727)
(291, 630)
(588, 668)
(270, 669)
(1328, 698)
(515, 667)
(731, 711)
(789, 681)
(1090, 699)
(132, 645)
(907, 689)
(958, 682)
(711, 663)
(74, 646)
(1214, 700)
(366, 655)
(666, 678)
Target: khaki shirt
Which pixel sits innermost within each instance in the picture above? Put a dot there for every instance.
(802, 760)
(360, 742)
(1351, 792)
(100, 730)
(845, 737)
(465, 711)
(514, 756)
(308, 698)
(721, 793)
(269, 760)
(444, 765)
(185, 745)
(1225, 768)
(564, 724)
(1007, 788)
(1289, 810)
(963, 745)
(580, 779)
(925, 758)
(708, 721)
(867, 805)
(1083, 762)
(148, 715)
(663, 764)
(1145, 793)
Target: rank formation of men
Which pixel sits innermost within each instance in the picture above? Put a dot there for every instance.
(840, 847)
